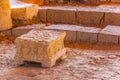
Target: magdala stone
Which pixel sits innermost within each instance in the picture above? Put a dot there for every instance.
(42, 46)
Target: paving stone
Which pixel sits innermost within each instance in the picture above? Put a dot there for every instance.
(18, 31)
(110, 34)
(42, 14)
(21, 13)
(42, 46)
(90, 17)
(88, 34)
(5, 16)
(61, 15)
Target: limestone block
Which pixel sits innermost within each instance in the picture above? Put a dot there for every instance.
(90, 17)
(42, 14)
(110, 34)
(61, 15)
(18, 31)
(88, 34)
(42, 46)
(71, 31)
(23, 13)
(112, 18)
(5, 15)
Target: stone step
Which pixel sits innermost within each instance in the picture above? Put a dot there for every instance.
(18, 31)
(110, 34)
(76, 33)
(85, 15)
(21, 13)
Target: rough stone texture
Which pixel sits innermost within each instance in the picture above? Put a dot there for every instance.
(71, 31)
(42, 14)
(18, 31)
(42, 46)
(21, 13)
(90, 17)
(5, 15)
(61, 15)
(88, 34)
(110, 34)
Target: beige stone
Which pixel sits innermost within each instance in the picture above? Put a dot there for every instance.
(90, 17)
(21, 13)
(42, 14)
(42, 46)
(71, 31)
(18, 31)
(112, 18)
(110, 34)
(61, 15)
(5, 15)
(88, 34)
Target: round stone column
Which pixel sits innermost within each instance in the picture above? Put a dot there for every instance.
(5, 15)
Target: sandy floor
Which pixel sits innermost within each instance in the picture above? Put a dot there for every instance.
(84, 62)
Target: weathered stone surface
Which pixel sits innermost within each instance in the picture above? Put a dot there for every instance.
(71, 31)
(18, 31)
(88, 34)
(110, 34)
(61, 15)
(90, 17)
(42, 46)
(5, 15)
(42, 14)
(21, 13)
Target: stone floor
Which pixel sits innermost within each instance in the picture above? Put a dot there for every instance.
(85, 61)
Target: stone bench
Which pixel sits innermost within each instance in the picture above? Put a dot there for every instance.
(41, 46)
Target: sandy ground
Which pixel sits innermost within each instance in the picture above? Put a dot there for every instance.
(84, 62)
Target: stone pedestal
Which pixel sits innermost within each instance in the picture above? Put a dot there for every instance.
(41, 46)
(5, 15)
